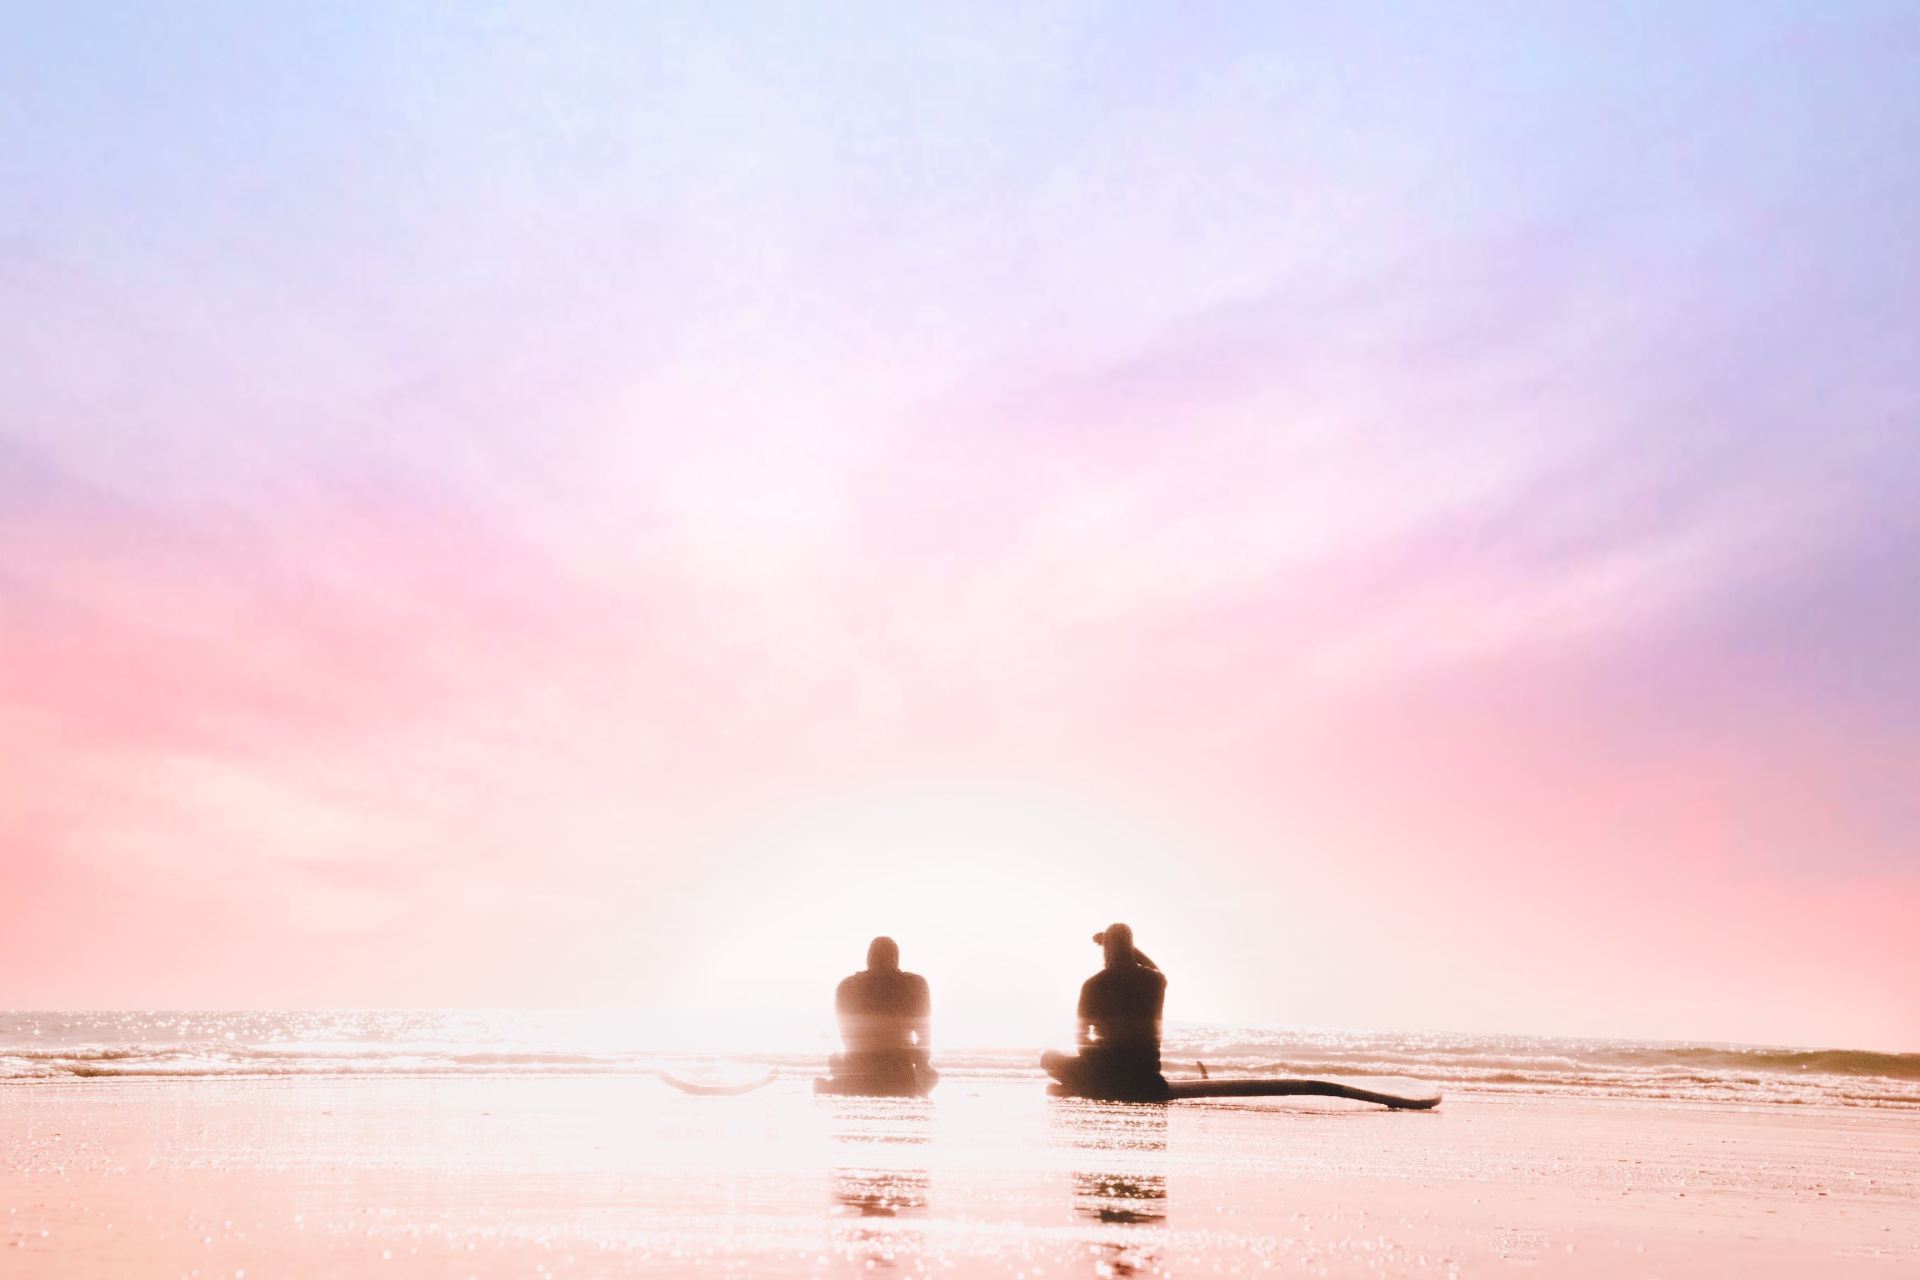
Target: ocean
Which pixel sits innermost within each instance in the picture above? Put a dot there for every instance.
(50, 1045)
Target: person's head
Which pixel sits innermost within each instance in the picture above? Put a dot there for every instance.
(883, 953)
(1117, 940)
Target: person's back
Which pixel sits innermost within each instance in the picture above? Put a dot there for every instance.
(1119, 1018)
(886, 1017)
(1120, 1008)
(881, 1009)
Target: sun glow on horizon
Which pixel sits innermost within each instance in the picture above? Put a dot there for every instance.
(992, 893)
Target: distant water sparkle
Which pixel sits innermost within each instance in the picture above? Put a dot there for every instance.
(42, 1046)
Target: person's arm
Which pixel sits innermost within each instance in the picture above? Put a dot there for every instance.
(1086, 1034)
(922, 1027)
(843, 1013)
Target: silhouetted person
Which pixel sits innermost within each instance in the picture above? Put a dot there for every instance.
(1119, 1035)
(886, 1025)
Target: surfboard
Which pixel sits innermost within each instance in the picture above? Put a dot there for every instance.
(1179, 1090)
(717, 1090)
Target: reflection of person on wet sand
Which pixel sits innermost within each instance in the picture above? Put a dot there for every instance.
(1119, 1182)
(886, 1019)
(880, 1162)
(880, 1176)
(1130, 1199)
(1119, 1034)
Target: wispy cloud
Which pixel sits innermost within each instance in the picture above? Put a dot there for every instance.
(451, 496)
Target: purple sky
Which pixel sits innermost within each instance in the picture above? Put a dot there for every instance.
(564, 507)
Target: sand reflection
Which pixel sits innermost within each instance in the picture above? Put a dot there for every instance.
(1119, 1181)
(880, 1177)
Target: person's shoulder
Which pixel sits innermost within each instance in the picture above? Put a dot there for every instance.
(914, 980)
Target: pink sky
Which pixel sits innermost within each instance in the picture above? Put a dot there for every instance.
(1423, 523)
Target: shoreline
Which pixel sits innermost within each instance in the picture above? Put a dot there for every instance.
(524, 1043)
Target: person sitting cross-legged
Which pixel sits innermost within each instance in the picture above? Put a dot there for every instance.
(1119, 1027)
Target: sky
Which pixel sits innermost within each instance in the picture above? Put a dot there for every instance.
(601, 505)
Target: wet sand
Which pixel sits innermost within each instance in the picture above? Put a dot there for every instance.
(432, 1177)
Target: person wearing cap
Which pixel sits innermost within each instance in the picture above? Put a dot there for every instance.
(1119, 1033)
(886, 1021)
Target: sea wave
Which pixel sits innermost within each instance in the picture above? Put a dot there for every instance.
(1833, 1062)
(1574, 1055)
(96, 1061)
(44, 1047)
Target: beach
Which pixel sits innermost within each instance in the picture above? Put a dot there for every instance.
(566, 1175)
(567, 570)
